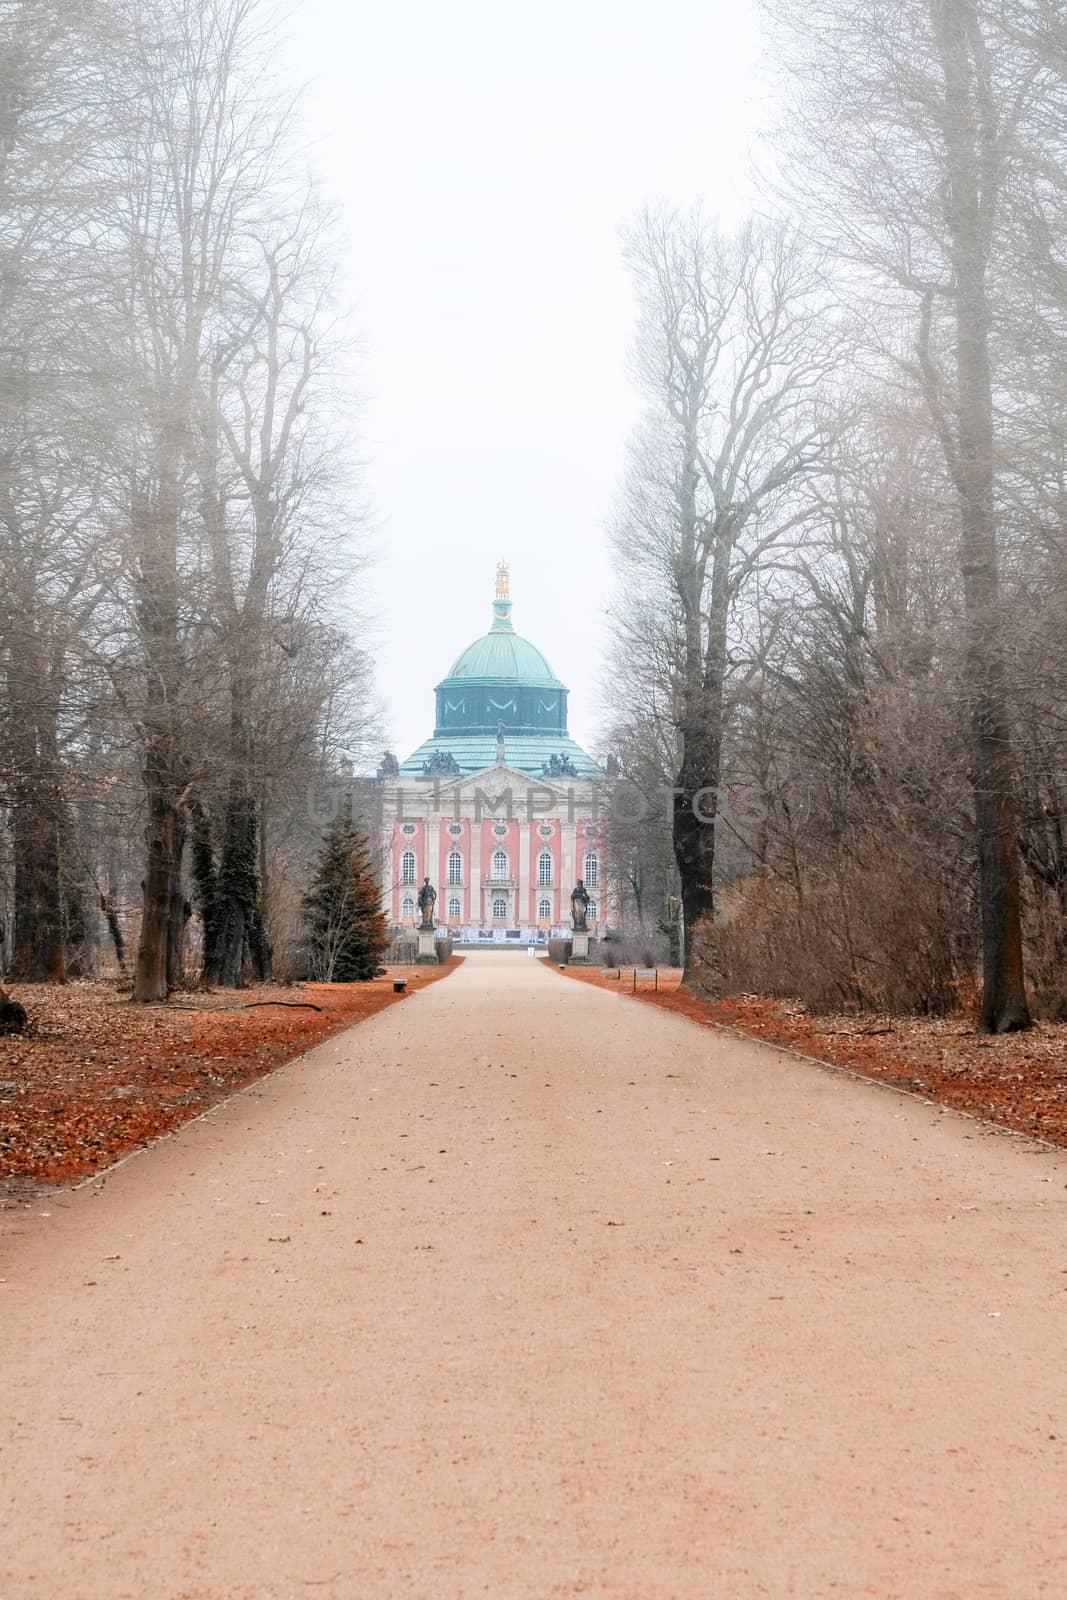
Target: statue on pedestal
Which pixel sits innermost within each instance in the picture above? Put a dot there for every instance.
(579, 907)
(427, 901)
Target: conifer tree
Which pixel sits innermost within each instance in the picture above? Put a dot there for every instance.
(346, 934)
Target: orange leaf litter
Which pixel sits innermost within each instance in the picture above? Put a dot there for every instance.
(1018, 1080)
(95, 1076)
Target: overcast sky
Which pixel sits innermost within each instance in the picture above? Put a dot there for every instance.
(485, 156)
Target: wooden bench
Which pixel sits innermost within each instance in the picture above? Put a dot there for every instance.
(646, 972)
(611, 972)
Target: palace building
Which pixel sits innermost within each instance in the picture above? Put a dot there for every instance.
(500, 808)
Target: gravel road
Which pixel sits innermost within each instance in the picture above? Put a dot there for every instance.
(522, 1289)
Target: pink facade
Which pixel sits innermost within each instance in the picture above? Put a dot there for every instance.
(455, 840)
(591, 865)
(545, 839)
(409, 839)
(504, 876)
(499, 838)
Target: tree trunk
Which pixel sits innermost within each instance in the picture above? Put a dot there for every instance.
(114, 928)
(180, 910)
(155, 524)
(240, 924)
(37, 954)
(696, 799)
(970, 191)
(161, 831)
(205, 889)
(695, 816)
(36, 815)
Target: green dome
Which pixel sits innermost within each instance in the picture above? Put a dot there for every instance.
(502, 655)
(500, 700)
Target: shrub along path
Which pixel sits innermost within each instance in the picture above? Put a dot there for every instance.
(525, 1290)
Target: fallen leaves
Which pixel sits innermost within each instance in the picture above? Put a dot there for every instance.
(94, 1076)
(1018, 1079)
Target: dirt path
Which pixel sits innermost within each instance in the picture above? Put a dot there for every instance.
(520, 1290)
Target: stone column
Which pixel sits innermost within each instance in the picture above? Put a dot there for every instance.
(568, 878)
(476, 873)
(433, 846)
(527, 831)
(388, 852)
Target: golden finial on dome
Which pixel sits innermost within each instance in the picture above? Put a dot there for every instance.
(503, 581)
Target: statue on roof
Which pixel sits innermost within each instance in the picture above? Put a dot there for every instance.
(558, 766)
(441, 764)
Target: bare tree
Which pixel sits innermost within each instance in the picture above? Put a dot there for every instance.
(737, 347)
(177, 556)
(50, 110)
(902, 130)
(272, 483)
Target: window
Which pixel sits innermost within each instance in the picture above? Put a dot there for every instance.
(592, 912)
(500, 865)
(408, 909)
(407, 867)
(592, 870)
(455, 867)
(455, 910)
(544, 869)
(500, 908)
(544, 910)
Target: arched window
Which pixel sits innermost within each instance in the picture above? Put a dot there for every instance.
(500, 908)
(455, 910)
(591, 876)
(544, 869)
(455, 867)
(544, 910)
(500, 865)
(408, 909)
(592, 912)
(407, 867)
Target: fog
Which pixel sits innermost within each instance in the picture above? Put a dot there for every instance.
(311, 314)
(486, 159)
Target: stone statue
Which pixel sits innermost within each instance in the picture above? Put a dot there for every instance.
(427, 901)
(579, 907)
(441, 764)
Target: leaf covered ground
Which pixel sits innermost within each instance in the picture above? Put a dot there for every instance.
(1018, 1080)
(94, 1076)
